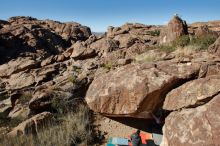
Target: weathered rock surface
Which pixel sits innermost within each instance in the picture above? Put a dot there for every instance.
(41, 100)
(194, 126)
(192, 93)
(176, 28)
(205, 31)
(215, 48)
(18, 65)
(136, 90)
(212, 25)
(80, 51)
(26, 36)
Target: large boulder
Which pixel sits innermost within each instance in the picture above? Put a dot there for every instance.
(20, 80)
(104, 45)
(17, 65)
(176, 28)
(192, 93)
(194, 126)
(41, 100)
(80, 51)
(136, 90)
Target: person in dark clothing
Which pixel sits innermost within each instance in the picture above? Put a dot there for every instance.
(136, 138)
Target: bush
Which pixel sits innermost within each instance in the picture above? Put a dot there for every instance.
(73, 80)
(154, 33)
(74, 129)
(62, 106)
(181, 41)
(203, 42)
(200, 43)
(108, 66)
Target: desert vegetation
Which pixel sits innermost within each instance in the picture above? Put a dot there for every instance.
(70, 129)
(154, 32)
(198, 43)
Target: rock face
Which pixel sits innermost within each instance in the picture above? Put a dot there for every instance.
(212, 25)
(136, 90)
(194, 126)
(193, 93)
(198, 121)
(215, 48)
(176, 28)
(26, 36)
(13, 66)
(205, 31)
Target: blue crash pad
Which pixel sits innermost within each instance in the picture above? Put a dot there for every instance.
(117, 141)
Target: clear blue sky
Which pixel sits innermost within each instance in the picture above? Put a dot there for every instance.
(99, 14)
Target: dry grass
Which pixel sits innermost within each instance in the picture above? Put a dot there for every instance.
(186, 51)
(150, 56)
(73, 129)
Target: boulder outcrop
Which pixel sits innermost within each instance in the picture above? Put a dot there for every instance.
(176, 28)
(192, 93)
(215, 48)
(27, 36)
(136, 90)
(193, 126)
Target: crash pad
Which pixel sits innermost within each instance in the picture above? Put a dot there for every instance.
(144, 138)
(117, 141)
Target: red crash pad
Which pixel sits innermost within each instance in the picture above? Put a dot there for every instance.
(144, 138)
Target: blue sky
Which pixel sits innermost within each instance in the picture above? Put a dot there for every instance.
(99, 14)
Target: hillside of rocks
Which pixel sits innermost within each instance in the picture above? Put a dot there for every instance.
(124, 74)
(178, 90)
(45, 61)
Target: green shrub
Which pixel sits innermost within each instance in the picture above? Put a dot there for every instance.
(73, 79)
(154, 33)
(108, 66)
(203, 42)
(181, 41)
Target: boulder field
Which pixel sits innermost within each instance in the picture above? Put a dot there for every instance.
(122, 73)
